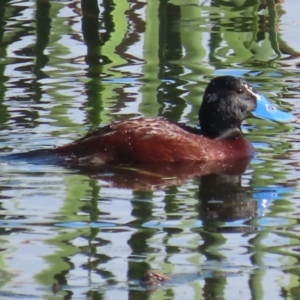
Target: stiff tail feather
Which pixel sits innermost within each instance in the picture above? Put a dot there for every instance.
(40, 156)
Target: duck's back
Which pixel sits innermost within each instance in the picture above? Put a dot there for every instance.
(151, 140)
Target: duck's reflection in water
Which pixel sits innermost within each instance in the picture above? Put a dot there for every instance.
(159, 176)
(225, 204)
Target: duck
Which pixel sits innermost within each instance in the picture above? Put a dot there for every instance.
(227, 102)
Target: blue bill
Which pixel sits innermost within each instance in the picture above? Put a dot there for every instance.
(266, 110)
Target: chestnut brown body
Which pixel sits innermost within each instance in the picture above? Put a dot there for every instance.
(153, 140)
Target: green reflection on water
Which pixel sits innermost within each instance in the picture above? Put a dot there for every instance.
(183, 45)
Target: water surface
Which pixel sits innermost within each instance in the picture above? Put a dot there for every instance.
(67, 68)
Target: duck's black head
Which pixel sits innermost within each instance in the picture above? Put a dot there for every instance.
(228, 101)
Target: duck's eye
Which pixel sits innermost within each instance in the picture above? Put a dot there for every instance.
(240, 91)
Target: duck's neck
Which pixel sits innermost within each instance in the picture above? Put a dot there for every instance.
(214, 133)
